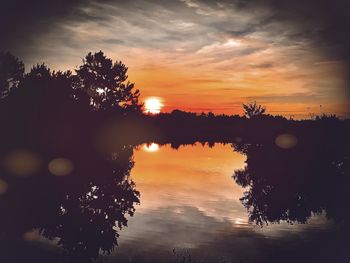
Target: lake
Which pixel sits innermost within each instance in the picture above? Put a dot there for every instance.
(177, 205)
(190, 203)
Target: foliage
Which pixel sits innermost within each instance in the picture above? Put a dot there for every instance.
(326, 117)
(253, 110)
(11, 73)
(105, 84)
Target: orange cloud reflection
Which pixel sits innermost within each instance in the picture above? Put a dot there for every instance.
(199, 177)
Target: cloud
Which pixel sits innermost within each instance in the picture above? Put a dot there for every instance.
(324, 22)
(157, 23)
(263, 45)
(286, 98)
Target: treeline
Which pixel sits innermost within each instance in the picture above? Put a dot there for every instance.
(44, 106)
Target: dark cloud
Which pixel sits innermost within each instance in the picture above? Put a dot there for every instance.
(19, 20)
(240, 33)
(325, 22)
(23, 23)
(263, 65)
(114, 41)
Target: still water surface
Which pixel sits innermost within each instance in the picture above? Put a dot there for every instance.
(148, 201)
(190, 202)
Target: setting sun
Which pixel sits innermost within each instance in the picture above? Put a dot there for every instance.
(153, 105)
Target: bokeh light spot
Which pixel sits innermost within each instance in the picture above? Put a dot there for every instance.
(31, 236)
(61, 167)
(22, 163)
(3, 187)
(286, 141)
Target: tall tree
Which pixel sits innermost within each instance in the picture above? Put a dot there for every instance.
(11, 73)
(105, 83)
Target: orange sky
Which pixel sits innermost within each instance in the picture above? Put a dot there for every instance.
(296, 88)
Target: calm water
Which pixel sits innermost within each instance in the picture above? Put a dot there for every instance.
(189, 203)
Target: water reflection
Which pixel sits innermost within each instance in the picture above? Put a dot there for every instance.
(190, 203)
(81, 211)
(194, 176)
(82, 202)
(152, 147)
(293, 183)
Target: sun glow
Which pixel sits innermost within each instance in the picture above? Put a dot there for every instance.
(153, 105)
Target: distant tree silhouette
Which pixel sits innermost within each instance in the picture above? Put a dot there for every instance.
(11, 73)
(252, 110)
(105, 84)
(326, 117)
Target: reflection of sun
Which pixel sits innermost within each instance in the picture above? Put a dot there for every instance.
(153, 147)
(153, 105)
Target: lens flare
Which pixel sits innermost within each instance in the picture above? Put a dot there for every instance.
(22, 163)
(61, 167)
(3, 187)
(286, 141)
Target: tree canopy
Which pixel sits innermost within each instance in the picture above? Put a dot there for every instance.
(252, 110)
(11, 73)
(98, 83)
(106, 84)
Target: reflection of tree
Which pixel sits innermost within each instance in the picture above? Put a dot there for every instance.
(95, 206)
(84, 209)
(291, 184)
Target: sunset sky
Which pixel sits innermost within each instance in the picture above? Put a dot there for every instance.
(196, 55)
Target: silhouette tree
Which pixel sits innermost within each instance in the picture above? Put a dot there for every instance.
(89, 214)
(83, 211)
(105, 84)
(290, 184)
(11, 73)
(252, 110)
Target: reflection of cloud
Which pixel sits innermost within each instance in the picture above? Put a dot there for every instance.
(153, 235)
(176, 222)
(175, 178)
